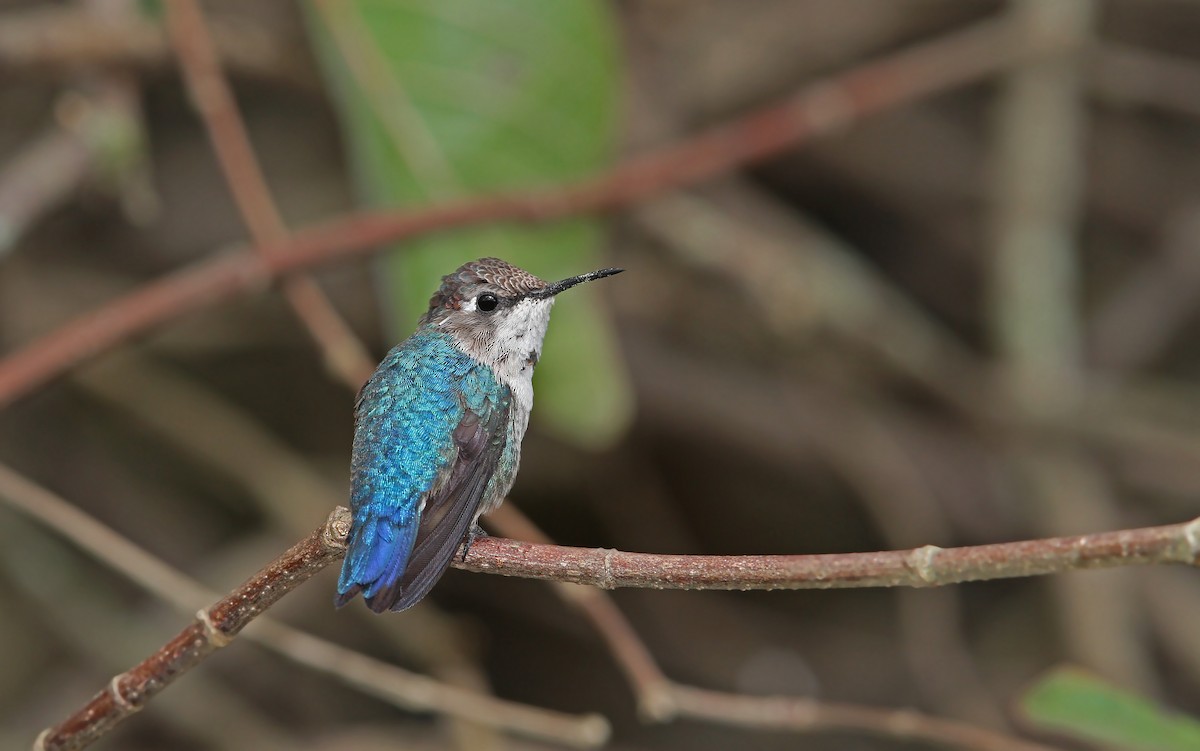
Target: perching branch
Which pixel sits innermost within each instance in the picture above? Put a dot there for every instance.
(928, 566)
(661, 699)
(818, 108)
(921, 567)
(387, 682)
(213, 628)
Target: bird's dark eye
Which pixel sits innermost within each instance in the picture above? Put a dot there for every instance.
(487, 302)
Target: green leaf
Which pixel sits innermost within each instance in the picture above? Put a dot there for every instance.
(1071, 701)
(150, 9)
(447, 98)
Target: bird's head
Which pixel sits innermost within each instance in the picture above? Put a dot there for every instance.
(497, 312)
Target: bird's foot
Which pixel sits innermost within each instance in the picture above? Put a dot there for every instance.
(473, 534)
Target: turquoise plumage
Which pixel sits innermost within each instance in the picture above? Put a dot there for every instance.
(438, 429)
(404, 448)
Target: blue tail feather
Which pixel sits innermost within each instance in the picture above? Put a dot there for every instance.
(376, 556)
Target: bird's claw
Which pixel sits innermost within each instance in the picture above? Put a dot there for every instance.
(473, 534)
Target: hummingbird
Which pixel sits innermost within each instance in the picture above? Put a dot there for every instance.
(438, 429)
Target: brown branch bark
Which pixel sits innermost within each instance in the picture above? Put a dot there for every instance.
(650, 685)
(661, 699)
(928, 566)
(213, 628)
(216, 626)
(921, 567)
(400, 688)
(345, 355)
(819, 108)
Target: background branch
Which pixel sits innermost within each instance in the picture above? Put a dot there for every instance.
(345, 356)
(819, 108)
(61, 40)
(47, 171)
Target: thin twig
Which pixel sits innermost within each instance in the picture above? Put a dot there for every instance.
(823, 107)
(219, 434)
(394, 685)
(96, 138)
(65, 39)
(928, 566)
(345, 355)
(213, 431)
(43, 174)
(651, 687)
(808, 715)
(661, 699)
(213, 628)
(1128, 76)
(739, 233)
(1141, 318)
(1041, 126)
(419, 693)
(214, 101)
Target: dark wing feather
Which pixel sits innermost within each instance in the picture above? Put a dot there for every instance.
(449, 509)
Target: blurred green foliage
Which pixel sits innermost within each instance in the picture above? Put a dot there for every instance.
(448, 98)
(1070, 701)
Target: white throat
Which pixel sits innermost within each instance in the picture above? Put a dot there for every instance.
(514, 347)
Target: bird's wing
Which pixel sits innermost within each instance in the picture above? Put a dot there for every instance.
(429, 431)
(451, 506)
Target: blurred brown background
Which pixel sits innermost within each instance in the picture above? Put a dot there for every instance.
(969, 319)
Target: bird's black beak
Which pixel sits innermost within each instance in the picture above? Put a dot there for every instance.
(553, 289)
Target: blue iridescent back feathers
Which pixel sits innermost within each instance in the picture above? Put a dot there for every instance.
(438, 429)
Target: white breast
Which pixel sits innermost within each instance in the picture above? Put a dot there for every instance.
(517, 347)
(512, 348)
